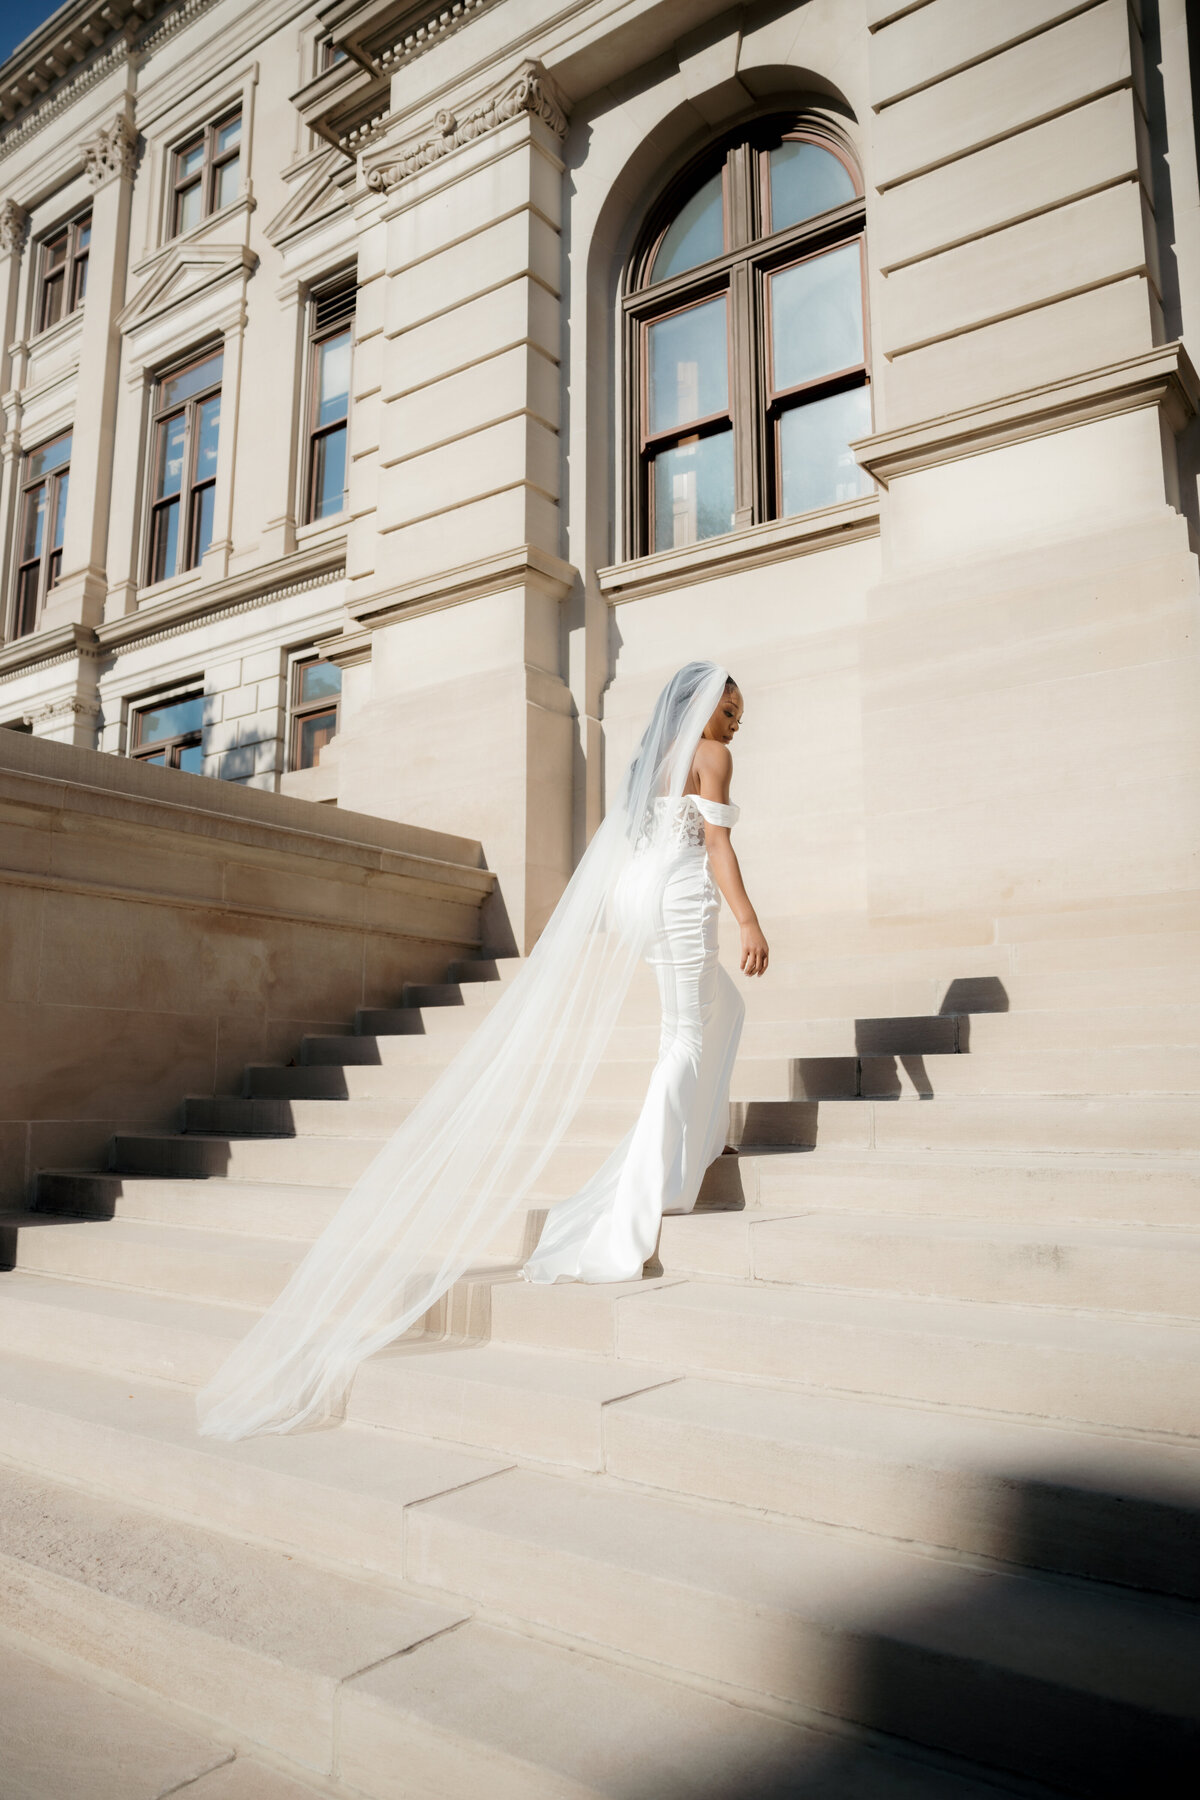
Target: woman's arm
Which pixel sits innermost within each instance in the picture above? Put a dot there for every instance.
(714, 769)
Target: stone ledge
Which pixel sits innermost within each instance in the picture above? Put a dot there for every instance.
(524, 564)
(1163, 376)
(778, 541)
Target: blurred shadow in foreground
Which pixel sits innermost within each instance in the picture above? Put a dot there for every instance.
(1008, 1676)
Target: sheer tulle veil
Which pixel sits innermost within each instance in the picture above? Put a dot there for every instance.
(471, 1151)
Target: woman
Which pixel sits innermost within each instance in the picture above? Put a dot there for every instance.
(471, 1151)
(609, 1230)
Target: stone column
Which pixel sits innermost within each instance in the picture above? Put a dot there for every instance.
(14, 230)
(79, 596)
(454, 561)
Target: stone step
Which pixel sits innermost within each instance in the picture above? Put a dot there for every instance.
(224, 1116)
(337, 1495)
(65, 1738)
(264, 1208)
(1093, 1368)
(942, 1654)
(1034, 1185)
(1101, 1268)
(316, 1161)
(492, 1397)
(241, 1634)
(985, 1072)
(1112, 1508)
(227, 1268)
(487, 1711)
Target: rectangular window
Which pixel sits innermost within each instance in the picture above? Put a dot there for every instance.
(64, 265)
(316, 694)
(40, 533)
(206, 172)
(170, 733)
(187, 421)
(331, 335)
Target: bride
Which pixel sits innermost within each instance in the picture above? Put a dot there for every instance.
(472, 1150)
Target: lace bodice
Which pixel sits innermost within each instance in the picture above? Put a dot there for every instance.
(679, 820)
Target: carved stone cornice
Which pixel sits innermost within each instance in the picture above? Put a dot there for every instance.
(112, 152)
(14, 225)
(530, 90)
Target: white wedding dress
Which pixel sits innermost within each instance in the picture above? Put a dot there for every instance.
(608, 1230)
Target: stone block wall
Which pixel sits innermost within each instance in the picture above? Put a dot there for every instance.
(158, 931)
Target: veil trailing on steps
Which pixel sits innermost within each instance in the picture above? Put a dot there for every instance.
(470, 1152)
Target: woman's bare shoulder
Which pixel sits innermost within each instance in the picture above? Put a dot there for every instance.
(713, 768)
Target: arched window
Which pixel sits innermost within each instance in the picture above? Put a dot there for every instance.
(747, 339)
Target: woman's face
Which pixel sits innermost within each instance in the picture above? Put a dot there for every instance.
(727, 718)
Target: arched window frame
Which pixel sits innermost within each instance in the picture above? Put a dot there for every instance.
(752, 254)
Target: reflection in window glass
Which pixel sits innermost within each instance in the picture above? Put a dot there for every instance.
(688, 372)
(806, 180)
(50, 456)
(191, 759)
(314, 733)
(695, 235)
(817, 466)
(817, 317)
(192, 381)
(172, 721)
(228, 176)
(333, 378)
(318, 681)
(693, 491)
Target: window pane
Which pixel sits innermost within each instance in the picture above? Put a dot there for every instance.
(191, 759)
(35, 520)
(318, 681)
(81, 274)
(816, 463)
(160, 759)
(229, 134)
(188, 161)
(83, 233)
(228, 176)
(52, 300)
(208, 424)
(688, 376)
(166, 541)
(187, 208)
(312, 737)
(55, 252)
(693, 491)
(816, 317)
(696, 234)
(202, 534)
(191, 381)
(170, 456)
(329, 473)
(805, 181)
(333, 378)
(60, 511)
(50, 456)
(27, 593)
(172, 721)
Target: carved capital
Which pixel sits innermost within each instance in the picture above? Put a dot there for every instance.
(14, 224)
(112, 152)
(529, 91)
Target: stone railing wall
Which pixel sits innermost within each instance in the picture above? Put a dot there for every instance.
(158, 931)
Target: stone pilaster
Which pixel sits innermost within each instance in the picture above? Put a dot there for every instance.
(79, 596)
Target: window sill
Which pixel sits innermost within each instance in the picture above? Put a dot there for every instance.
(777, 541)
(164, 590)
(59, 333)
(323, 531)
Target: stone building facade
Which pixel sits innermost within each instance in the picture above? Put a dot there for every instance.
(394, 393)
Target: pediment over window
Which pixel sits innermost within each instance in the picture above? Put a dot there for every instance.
(183, 277)
(317, 199)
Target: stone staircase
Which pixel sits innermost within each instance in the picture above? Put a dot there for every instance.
(886, 1488)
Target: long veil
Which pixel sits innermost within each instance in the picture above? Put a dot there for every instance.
(472, 1148)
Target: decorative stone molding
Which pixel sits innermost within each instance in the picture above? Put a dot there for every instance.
(1162, 377)
(112, 152)
(50, 109)
(62, 709)
(423, 37)
(14, 225)
(529, 91)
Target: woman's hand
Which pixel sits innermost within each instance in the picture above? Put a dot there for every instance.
(754, 949)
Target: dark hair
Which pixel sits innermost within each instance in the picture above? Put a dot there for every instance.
(730, 683)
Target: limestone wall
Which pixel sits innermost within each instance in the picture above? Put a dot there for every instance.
(158, 931)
